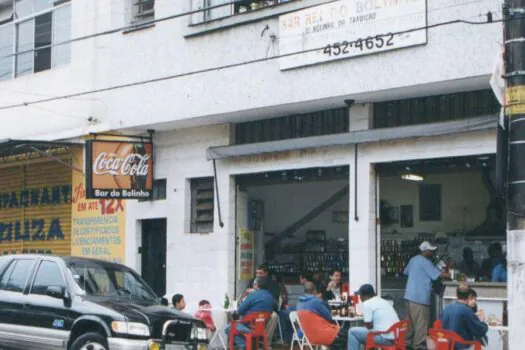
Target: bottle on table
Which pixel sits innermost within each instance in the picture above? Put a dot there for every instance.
(226, 302)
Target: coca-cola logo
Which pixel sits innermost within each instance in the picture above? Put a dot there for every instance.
(130, 165)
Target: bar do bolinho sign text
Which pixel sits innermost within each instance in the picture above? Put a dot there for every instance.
(345, 29)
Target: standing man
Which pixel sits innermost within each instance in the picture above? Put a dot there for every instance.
(378, 314)
(421, 273)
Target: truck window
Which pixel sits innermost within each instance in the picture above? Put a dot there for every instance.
(15, 277)
(48, 274)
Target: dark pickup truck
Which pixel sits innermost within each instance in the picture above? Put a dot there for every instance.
(49, 303)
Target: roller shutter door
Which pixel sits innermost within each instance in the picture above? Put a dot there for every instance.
(35, 209)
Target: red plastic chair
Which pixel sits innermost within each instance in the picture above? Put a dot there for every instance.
(399, 330)
(437, 324)
(257, 323)
(447, 340)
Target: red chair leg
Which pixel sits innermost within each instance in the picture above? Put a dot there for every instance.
(248, 340)
(265, 339)
(231, 340)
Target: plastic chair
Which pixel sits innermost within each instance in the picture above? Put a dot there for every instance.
(257, 323)
(295, 337)
(437, 324)
(306, 340)
(279, 326)
(399, 330)
(447, 340)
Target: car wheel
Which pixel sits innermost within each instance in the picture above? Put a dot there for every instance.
(90, 341)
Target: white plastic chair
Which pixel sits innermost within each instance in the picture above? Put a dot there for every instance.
(295, 336)
(305, 339)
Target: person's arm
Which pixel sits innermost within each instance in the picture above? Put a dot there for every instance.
(368, 316)
(433, 272)
(245, 305)
(323, 311)
(477, 328)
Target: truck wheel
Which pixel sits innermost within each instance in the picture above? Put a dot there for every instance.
(90, 341)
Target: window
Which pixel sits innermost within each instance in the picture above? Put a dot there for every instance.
(30, 42)
(143, 10)
(48, 274)
(430, 202)
(328, 122)
(434, 109)
(15, 277)
(202, 204)
(158, 192)
(214, 10)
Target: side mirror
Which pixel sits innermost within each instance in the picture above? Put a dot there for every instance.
(56, 292)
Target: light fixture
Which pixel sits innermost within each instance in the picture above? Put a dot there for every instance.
(412, 177)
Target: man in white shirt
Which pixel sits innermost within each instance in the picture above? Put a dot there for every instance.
(378, 314)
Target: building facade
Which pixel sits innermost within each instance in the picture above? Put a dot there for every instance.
(234, 111)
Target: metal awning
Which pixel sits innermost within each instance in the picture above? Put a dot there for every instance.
(356, 137)
(22, 149)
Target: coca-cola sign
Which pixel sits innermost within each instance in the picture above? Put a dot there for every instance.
(119, 169)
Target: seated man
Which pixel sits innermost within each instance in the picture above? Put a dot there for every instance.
(460, 318)
(260, 300)
(378, 314)
(316, 320)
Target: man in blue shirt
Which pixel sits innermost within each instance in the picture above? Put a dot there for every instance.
(461, 319)
(259, 300)
(421, 274)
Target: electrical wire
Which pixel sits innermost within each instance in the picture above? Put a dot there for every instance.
(209, 8)
(239, 64)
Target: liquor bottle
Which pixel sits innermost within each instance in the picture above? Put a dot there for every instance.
(226, 302)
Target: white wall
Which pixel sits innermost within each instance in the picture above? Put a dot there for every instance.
(287, 203)
(464, 200)
(249, 91)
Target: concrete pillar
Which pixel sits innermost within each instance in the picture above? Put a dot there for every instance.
(362, 225)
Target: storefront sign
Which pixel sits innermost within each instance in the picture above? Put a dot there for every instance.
(119, 169)
(98, 226)
(350, 28)
(246, 258)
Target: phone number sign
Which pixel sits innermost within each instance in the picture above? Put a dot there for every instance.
(350, 28)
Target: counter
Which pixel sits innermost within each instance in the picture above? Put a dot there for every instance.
(492, 298)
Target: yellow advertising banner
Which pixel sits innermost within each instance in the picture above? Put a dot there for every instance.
(98, 225)
(246, 258)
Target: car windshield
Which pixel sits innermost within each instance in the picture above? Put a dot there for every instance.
(110, 281)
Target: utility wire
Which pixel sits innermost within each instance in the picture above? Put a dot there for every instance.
(239, 64)
(205, 9)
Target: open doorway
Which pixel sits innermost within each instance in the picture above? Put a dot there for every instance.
(293, 221)
(153, 251)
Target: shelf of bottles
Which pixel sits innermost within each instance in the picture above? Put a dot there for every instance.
(325, 262)
(287, 268)
(395, 254)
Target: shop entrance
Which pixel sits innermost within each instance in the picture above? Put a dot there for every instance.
(292, 220)
(154, 254)
(450, 202)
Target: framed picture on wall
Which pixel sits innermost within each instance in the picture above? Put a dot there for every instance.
(407, 216)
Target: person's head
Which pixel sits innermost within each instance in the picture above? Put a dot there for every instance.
(463, 293)
(309, 288)
(336, 276)
(495, 250)
(366, 291)
(204, 304)
(260, 283)
(320, 291)
(178, 302)
(468, 254)
(262, 271)
(318, 276)
(473, 298)
(427, 249)
(305, 276)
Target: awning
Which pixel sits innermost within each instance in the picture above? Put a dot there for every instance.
(356, 137)
(22, 149)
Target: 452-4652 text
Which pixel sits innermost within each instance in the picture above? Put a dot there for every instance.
(345, 47)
